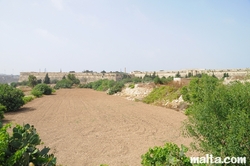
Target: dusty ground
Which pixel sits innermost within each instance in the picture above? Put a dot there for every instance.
(86, 127)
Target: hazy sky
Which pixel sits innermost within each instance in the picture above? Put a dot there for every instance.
(145, 35)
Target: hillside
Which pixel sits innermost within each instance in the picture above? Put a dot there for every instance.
(8, 78)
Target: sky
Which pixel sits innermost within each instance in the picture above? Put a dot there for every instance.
(111, 35)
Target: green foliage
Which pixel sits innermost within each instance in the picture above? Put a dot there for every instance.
(2, 110)
(178, 75)
(46, 79)
(53, 81)
(105, 84)
(157, 80)
(116, 88)
(23, 83)
(32, 81)
(36, 93)
(170, 154)
(19, 148)
(73, 78)
(148, 78)
(64, 83)
(167, 92)
(27, 99)
(219, 117)
(11, 98)
(14, 84)
(132, 86)
(165, 80)
(39, 81)
(41, 89)
(199, 89)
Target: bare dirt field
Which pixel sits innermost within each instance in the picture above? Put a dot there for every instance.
(86, 127)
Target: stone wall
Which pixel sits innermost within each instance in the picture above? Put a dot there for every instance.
(83, 77)
(183, 73)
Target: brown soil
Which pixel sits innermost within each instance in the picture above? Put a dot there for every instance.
(86, 127)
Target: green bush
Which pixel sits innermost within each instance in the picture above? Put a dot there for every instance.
(157, 80)
(132, 86)
(165, 80)
(116, 88)
(14, 84)
(19, 147)
(54, 81)
(199, 89)
(36, 93)
(27, 99)
(2, 110)
(64, 83)
(41, 89)
(170, 154)
(10, 97)
(219, 117)
(73, 78)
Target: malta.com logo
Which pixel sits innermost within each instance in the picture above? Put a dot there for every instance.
(210, 159)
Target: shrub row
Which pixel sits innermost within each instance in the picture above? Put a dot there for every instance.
(104, 85)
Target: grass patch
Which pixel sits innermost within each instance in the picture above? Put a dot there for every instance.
(163, 93)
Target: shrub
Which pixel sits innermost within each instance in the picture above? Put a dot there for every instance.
(10, 97)
(36, 93)
(19, 147)
(41, 89)
(54, 81)
(27, 99)
(199, 89)
(2, 110)
(73, 78)
(219, 117)
(165, 80)
(132, 86)
(64, 83)
(14, 84)
(170, 154)
(157, 80)
(116, 88)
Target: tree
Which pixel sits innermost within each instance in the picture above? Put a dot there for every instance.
(219, 117)
(73, 78)
(46, 79)
(178, 75)
(157, 80)
(32, 81)
(225, 75)
(11, 98)
(190, 75)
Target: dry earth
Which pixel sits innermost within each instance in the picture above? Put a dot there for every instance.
(86, 127)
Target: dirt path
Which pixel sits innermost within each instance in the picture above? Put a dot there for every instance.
(86, 127)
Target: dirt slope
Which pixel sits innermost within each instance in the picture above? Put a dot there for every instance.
(86, 127)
